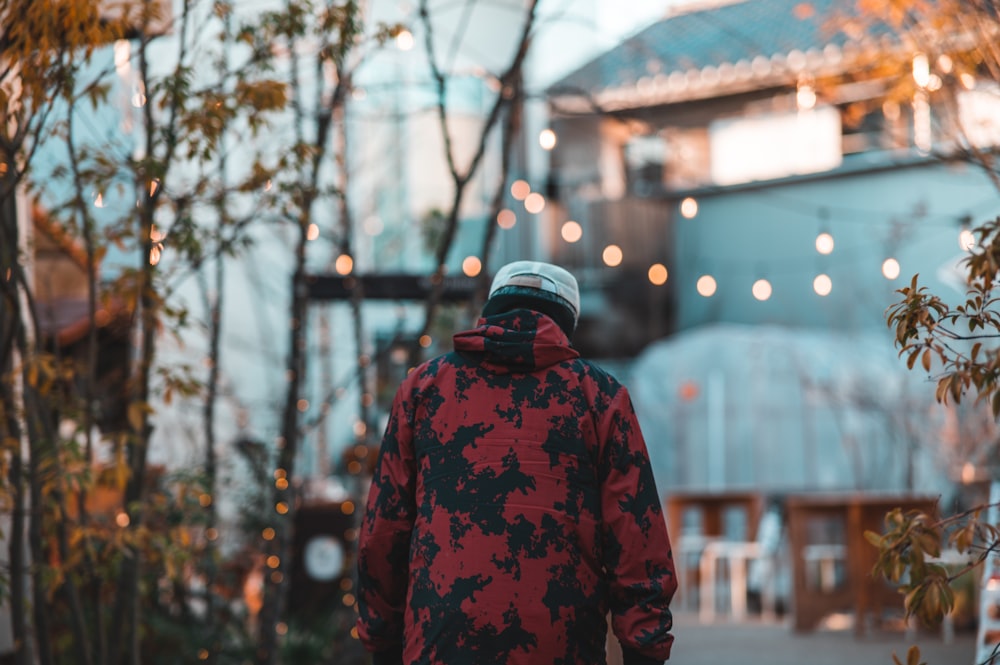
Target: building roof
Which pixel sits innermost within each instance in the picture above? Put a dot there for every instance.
(744, 44)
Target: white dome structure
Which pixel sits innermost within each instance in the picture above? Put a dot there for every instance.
(777, 409)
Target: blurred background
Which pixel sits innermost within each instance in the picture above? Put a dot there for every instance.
(230, 229)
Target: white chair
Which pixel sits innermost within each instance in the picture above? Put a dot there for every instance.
(687, 557)
(734, 556)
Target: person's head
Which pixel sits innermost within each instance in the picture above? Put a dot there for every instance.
(541, 287)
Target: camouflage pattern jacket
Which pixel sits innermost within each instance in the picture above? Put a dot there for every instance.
(512, 508)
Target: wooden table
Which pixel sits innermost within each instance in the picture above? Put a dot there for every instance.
(713, 507)
(860, 592)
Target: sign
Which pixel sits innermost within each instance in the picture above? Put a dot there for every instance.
(390, 286)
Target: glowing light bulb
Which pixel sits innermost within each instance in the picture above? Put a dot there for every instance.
(890, 268)
(472, 266)
(657, 274)
(706, 286)
(571, 231)
(534, 203)
(506, 219)
(404, 40)
(520, 189)
(612, 255)
(966, 239)
(547, 139)
(824, 243)
(689, 208)
(761, 289)
(823, 285)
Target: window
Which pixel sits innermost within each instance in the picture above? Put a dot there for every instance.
(775, 145)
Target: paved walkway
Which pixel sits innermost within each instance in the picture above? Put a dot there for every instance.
(757, 642)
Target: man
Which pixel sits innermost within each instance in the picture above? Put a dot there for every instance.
(513, 505)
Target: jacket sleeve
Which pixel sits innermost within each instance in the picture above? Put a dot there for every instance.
(637, 557)
(384, 543)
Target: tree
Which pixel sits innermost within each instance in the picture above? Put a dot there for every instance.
(157, 532)
(946, 49)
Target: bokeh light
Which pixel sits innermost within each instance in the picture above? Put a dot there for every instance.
(706, 286)
(761, 289)
(344, 264)
(506, 219)
(520, 189)
(823, 285)
(472, 266)
(571, 231)
(966, 239)
(547, 139)
(689, 208)
(890, 268)
(824, 243)
(612, 255)
(534, 203)
(404, 40)
(657, 274)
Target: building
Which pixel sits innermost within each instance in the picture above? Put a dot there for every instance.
(749, 181)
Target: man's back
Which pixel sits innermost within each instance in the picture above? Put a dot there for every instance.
(513, 507)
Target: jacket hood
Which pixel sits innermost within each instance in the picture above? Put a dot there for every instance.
(517, 341)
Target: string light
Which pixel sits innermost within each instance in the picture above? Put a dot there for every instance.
(344, 264)
(612, 256)
(761, 289)
(822, 285)
(657, 274)
(472, 266)
(404, 40)
(547, 139)
(921, 70)
(890, 268)
(520, 189)
(805, 97)
(706, 286)
(313, 232)
(571, 231)
(689, 208)
(824, 243)
(534, 203)
(966, 239)
(506, 219)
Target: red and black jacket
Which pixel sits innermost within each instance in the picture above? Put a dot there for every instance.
(513, 507)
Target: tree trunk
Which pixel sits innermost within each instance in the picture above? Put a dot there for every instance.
(276, 582)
